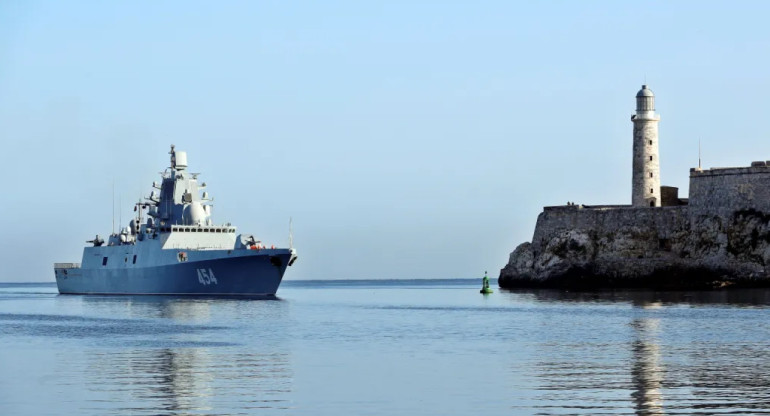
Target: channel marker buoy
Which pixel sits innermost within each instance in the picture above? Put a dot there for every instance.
(485, 285)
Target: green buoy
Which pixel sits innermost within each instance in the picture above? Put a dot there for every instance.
(485, 285)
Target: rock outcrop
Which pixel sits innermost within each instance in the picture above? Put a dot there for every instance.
(635, 247)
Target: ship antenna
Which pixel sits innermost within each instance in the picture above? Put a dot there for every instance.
(291, 235)
(139, 212)
(699, 153)
(113, 205)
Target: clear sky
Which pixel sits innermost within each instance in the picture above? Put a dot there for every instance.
(407, 139)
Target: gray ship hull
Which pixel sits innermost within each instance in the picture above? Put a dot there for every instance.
(248, 273)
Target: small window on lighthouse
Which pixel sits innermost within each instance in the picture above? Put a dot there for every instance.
(650, 142)
(650, 157)
(650, 190)
(651, 174)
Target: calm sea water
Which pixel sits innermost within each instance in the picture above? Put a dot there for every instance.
(384, 348)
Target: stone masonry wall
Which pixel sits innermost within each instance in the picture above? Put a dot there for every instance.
(721, 238)
(726, 190)
(658, 221)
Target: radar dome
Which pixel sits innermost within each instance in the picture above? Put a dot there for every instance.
(194, 214)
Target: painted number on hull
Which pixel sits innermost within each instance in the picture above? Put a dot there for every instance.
(206, 277)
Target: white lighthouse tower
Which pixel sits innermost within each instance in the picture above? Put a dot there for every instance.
(645, 189)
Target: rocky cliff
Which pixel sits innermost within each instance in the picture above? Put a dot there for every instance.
(623, 246)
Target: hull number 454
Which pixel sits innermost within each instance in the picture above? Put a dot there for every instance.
(206, 277)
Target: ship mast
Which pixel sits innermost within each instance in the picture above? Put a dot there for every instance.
(291, 235)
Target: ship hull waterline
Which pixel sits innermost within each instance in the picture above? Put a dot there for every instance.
(250, 275)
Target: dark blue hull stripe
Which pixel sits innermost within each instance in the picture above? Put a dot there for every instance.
(234, 276)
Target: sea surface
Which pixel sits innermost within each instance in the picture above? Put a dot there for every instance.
(372, 347)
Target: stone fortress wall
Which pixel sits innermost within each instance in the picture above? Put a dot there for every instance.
(718, 192)
(556, 221)
(724, 190)
(722, 237)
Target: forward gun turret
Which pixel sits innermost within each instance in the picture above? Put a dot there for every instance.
(97, 241)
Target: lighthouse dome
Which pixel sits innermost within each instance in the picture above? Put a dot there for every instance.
(645, 100)
(644, 92)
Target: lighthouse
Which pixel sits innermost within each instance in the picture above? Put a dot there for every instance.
(645, 189)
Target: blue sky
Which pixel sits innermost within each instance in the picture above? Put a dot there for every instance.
(407, 139)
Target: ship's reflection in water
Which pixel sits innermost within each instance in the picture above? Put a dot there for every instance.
(650, 353)
(186, 363)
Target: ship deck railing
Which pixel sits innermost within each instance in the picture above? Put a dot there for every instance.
(66, 265)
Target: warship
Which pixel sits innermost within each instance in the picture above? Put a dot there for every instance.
(172, 247)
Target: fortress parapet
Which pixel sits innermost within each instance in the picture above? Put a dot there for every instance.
(725, 190)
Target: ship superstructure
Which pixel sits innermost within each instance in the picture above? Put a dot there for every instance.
(173, 247)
